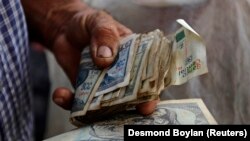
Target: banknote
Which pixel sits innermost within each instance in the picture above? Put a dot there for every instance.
(189, 55)
(87, 83)
(152, 61)
(169, 112)
(140, 57)
(146, 64)
(111, 96)
(164, 64)
(95, 103)
(119, 73)
(154, 53)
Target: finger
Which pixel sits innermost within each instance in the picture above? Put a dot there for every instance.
(147, 108)
(123, 31)
(63, 97)
(37, 46)
(67, 56)
(104, 38)
(77, 32)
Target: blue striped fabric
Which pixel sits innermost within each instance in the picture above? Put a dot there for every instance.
(16, 119)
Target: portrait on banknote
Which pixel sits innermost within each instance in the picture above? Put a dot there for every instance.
(113, 128)
(168, 112)
(165, 114)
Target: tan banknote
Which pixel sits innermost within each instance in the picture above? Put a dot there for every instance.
(188, 56)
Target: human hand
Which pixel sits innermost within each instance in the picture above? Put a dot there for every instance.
(68, 28)
(105, 36)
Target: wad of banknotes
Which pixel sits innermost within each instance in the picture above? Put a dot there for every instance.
(145, 65)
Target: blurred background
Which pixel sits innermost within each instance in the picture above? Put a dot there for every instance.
(223, 24)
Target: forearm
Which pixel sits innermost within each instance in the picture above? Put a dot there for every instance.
(46, 18)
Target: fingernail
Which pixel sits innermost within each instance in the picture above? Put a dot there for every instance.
(104, 52)
(58, 101)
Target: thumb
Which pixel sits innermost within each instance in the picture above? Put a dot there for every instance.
(104, 39)
(104, 47)
(100, 30)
